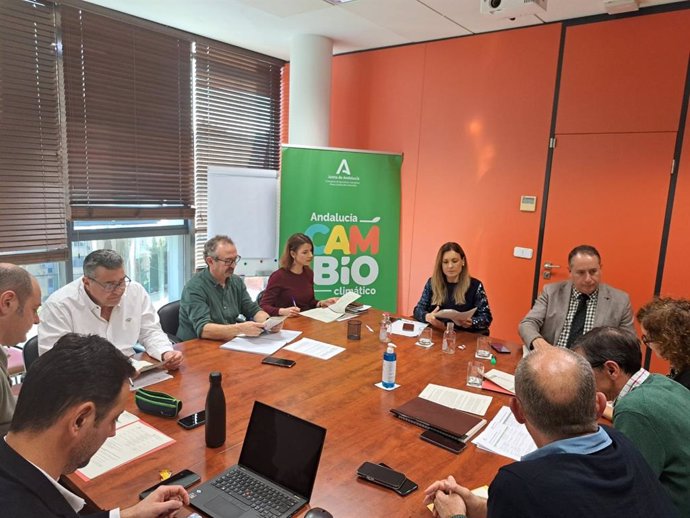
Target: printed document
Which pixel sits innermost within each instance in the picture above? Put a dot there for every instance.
(332, 312)
(397, 327)
(315, 348)
(266, 343)
(506, 436)
(133, 439)
(272, 322)
(458, 317)
(457, 399)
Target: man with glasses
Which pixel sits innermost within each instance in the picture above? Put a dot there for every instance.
(107, 303)
(566, 310)
(214, 298)
(652, 410)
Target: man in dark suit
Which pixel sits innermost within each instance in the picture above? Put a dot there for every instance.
(568, 309)
(67, 408)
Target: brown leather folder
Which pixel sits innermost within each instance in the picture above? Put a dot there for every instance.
(455, 424)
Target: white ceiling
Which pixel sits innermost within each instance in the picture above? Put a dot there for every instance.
(267, 26)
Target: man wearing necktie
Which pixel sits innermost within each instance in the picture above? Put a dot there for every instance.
(568, 309)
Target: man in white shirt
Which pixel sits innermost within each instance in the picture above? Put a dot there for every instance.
(106, 303)
(20, 298)
(67, 408)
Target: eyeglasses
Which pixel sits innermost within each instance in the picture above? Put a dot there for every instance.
(112, 286)
(229, 262)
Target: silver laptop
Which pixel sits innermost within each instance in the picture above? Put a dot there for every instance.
(275, 475)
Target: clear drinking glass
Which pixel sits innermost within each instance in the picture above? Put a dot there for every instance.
(425, 337)
(475, 374)
(483, 348)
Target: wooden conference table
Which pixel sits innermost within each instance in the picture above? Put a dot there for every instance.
(338, 394)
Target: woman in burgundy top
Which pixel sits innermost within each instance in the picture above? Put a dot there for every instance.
(290, 289)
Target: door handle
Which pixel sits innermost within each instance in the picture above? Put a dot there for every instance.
(547, 269)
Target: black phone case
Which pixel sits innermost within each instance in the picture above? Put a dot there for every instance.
(368, 472)
(191, 479)
(408, 486)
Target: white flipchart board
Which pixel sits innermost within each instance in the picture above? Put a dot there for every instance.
(243, 204)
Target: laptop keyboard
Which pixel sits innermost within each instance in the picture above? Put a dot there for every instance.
(254, 493)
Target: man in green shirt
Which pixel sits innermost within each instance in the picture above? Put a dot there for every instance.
(214, 298)
(651, 409)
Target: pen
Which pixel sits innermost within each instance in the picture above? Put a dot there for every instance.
(131, 383)
(370, 329)
(293, 302)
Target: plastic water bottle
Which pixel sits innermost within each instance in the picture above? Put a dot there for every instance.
(389, 364)
(448, 345)
(385, 329)
(215, 412)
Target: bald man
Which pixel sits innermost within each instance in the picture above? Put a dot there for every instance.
(20, 298)
(579, 469)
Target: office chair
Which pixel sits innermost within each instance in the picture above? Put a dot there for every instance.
(169, 316)
(30, 352)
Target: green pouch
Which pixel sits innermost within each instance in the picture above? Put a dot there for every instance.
(157, 403)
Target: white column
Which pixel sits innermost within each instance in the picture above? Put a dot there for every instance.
(310, 90)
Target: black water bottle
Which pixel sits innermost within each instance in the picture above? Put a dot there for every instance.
(215, 412)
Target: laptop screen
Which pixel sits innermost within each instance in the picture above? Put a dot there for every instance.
(283, 448)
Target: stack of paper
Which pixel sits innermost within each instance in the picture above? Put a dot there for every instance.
(456, 398)
(266, 344)
(133, 438)
(315, 348)
(332, 312)
(458, 317)
(506, 436)
(404, 327)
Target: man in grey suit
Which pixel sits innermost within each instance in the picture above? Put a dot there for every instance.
(568, 309)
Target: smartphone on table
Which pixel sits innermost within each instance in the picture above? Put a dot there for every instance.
(184, 478)
(193, 420)
(381, 475)
(279, 362)
(442, 441)
(500, 348)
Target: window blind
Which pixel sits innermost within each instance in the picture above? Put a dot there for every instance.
(128, 113)
(237, 96)
(32, 196)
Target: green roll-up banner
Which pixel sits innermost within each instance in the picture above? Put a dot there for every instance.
(348, 203)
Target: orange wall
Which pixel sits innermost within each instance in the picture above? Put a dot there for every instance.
(470, 114)
(472, 117)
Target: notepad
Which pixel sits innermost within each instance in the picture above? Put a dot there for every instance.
(442, 419)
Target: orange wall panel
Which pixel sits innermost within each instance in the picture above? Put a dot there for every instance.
(624, 75)
(676, 279)
(484, 141)
(376, 103)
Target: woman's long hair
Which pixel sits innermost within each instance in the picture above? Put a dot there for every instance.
(438, 280)
(292, 245)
